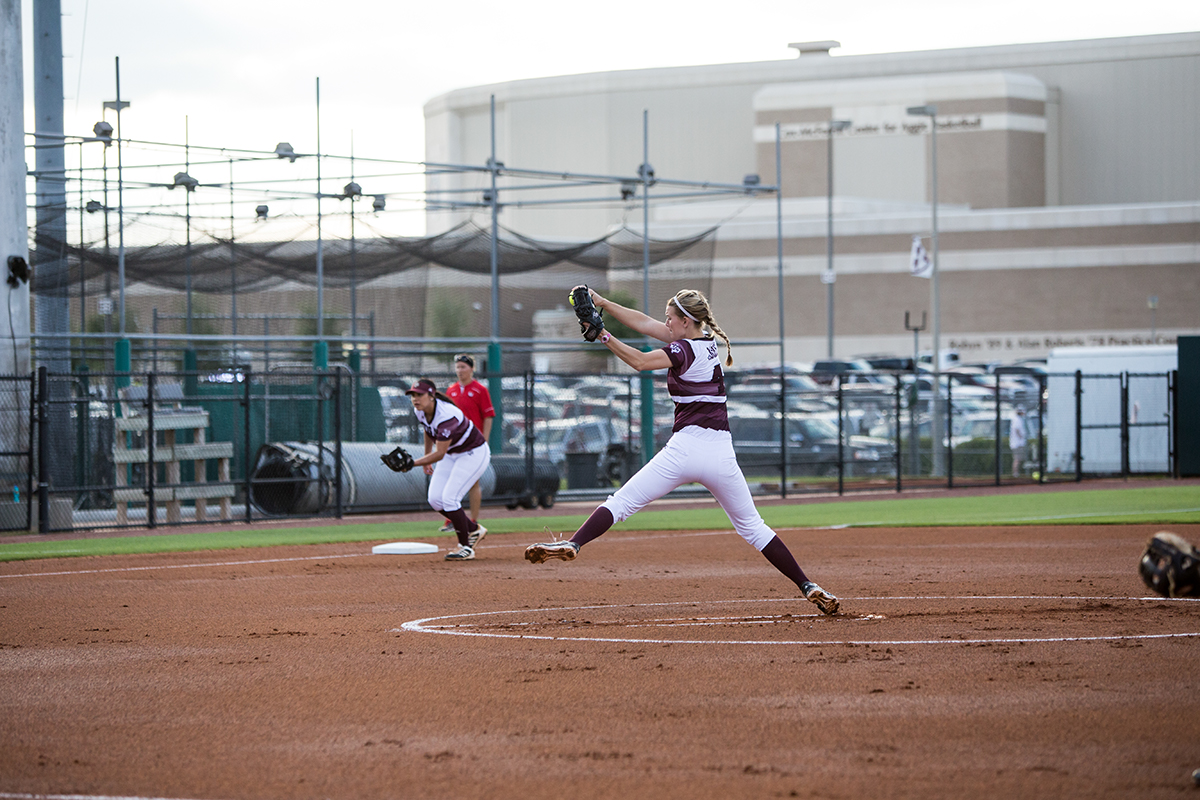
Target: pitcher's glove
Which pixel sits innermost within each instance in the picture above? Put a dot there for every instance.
(591, 320)
(398, 460)
(1171, 566)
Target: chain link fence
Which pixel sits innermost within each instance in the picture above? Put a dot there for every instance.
(147, 448)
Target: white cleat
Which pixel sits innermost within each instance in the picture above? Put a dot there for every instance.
(461, 553)
(539, 553)
(820, 598)
(474, 537)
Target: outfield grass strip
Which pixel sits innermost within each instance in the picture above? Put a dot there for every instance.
(1155, 505)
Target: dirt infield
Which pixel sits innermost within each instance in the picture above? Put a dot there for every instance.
(968, 662)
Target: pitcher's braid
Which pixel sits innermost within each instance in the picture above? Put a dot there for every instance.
(694, 303)
(712, 323)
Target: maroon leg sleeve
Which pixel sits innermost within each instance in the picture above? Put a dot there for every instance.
(600, 521)
(781, 558)
(461, 522)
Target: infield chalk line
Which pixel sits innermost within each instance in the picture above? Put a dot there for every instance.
(172, 566)
(992, 523)
(16, 796)
(423, 625)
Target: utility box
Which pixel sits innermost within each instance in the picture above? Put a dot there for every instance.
(1188, 416)
(1126, 392)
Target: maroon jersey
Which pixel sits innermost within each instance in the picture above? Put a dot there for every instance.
(696, 384)
(450, 424)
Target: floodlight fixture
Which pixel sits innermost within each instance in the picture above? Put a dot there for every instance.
(103, 131)
(186, 181)
(93, 206)
(628, 190)
(379, 203)
(284, 150)
(260, 212)
(351, 190)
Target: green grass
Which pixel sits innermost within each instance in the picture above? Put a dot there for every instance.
(1159, 506)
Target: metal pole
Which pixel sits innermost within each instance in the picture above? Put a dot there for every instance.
(187, 165)
(82, 262)
(353, 255)
(495, 359)
(829, 275)
(320, 242)
(232, 264)
(647, 387)
(494, 250)
(645, 170)
(1078, 425)
(936, 308)
(43, 414)
(783, 439)
(120, 214)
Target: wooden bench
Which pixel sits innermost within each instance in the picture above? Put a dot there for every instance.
(170, 417)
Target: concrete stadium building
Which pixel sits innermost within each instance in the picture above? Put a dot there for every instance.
(1068, 186)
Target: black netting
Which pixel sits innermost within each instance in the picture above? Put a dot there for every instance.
(218, 266)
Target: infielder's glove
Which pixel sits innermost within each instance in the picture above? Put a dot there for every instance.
(398, 460)
(1171, 566)
(591, 320)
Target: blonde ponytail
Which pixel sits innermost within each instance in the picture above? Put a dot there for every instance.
(695, 305)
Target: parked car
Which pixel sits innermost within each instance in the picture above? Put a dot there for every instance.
(812, 446)
(888, 363)
(826, 369)
(803, 394)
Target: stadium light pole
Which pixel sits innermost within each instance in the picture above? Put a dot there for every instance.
(320, 348)
(830, 276)
(646, 173)
(783, 421)
(935, 296)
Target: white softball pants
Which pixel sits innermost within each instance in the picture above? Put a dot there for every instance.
(454, 476)
(701, 456)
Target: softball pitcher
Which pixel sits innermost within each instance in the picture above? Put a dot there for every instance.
(456, 455)
(700, 448)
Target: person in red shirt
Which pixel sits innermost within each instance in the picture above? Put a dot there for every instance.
(472, 397)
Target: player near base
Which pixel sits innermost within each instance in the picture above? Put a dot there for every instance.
(456, 455)
(700, 448)
(476, 403)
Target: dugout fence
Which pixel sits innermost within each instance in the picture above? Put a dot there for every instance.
(173, 447)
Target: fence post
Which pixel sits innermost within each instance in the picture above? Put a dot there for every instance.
(43, 467)
(527, 411)
(949, 428)
(841, 436)
(1078, 425)
(337, 444)
(1124, 380)
(495, 380)
(647, 411)
(82, 423)
(783, 437)
(33, 413)
(151, 506)
(1172, 422)
(999, 430)
(899, 439)
(246, 438)
(1041, 429)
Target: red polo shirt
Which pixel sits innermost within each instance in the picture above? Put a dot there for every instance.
(473, 399)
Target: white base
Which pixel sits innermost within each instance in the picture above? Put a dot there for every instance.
(403, 548)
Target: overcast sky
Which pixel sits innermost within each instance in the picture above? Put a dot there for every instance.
(243, 72)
